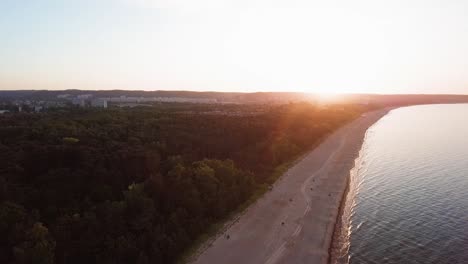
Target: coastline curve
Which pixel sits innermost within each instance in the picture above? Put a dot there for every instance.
(295, 221)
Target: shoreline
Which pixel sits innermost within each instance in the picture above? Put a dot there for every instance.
(335, 249)
(295, 222)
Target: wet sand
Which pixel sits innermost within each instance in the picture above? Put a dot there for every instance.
(295, 221)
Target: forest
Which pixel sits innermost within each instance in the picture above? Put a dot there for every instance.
(141, 185)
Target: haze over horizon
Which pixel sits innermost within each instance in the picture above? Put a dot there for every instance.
(236, 46)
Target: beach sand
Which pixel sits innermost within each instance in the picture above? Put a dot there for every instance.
(295, 221)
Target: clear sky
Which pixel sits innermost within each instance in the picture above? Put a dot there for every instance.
(397, 46)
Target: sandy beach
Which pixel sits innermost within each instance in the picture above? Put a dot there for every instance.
(294, 222)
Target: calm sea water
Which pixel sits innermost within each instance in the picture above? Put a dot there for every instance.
(408, 199)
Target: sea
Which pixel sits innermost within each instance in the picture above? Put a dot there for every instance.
(408, 195)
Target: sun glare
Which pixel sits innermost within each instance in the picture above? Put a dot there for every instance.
(283, 54)
(328, 97)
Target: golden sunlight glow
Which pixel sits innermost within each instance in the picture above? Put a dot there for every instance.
(285, 53)
(328, 97)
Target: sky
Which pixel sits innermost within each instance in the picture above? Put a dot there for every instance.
(317, 46)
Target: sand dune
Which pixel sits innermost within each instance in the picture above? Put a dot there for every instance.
(294, 222)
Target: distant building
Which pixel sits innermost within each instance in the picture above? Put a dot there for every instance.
(186, 100)
(63, 96)
(79, 101)
(137, 100)
(99, 102)
(84, 96)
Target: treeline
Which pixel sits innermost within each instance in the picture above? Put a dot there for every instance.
(139, 185)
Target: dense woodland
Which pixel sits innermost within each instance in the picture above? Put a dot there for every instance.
(140, 185)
